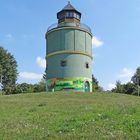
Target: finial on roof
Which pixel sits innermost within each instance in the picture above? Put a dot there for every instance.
(68, 7)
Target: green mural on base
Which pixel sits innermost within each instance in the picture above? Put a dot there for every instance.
(75, 84)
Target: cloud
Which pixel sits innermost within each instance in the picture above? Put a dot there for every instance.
(111, 86)
(96, 43)
(124, 76)
(41, 62)
(30, 75)
(126, 73)
(9, 36)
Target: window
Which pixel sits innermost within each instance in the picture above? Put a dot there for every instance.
(75, 15)
(71, 14)
(61, 16)
(87, 65)
(67, 14)
(63, 63)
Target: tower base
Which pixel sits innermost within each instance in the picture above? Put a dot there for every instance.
(78, 84)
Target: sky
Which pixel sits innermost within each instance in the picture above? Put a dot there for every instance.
(115, 26)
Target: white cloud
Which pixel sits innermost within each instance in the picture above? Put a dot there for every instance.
(126, 73)
(30, 75)
(41, 62)
(9, 36)
(96, 43)
(124, 76)
(111, 86)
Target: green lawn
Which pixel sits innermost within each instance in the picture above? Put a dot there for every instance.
(69, 116)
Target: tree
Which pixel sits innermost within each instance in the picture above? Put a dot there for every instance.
(129, 88)
(45, 75)
(119, 87)
(95, 85)
(136, 77)
(136, 80)
(25, 88)
(41, 86)
(8, 70)
(0, 77)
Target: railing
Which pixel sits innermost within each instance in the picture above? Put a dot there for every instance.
(52, 26)
(81, 25)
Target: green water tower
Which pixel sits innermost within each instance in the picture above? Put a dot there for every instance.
(69, 53)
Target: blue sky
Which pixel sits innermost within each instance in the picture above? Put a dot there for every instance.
(115, 26)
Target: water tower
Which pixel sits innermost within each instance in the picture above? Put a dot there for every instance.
(69, 53)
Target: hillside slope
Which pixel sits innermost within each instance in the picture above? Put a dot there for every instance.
(69, 116)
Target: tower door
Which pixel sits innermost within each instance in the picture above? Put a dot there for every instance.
(87, 86)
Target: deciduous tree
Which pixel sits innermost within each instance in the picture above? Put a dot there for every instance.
(136, 77)
(8, 70)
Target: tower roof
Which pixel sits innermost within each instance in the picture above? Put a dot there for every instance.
(68, 7)
(68, 12)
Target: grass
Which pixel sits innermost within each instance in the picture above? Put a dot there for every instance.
(69, 116)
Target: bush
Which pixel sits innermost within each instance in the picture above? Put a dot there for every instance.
(25, 88)
(9, 90)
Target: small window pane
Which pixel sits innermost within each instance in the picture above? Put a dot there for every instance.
(71, 14)
(75, 15)
(63, 63)
(67, 14)
(61, 16)
(87, 65)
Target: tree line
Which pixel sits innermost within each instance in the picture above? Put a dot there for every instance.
(132, 87)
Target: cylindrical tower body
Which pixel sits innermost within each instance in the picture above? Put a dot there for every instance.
(69, 54)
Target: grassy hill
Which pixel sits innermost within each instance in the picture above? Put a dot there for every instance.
(69, 116)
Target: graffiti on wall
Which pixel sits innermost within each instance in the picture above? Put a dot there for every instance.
(76, 83)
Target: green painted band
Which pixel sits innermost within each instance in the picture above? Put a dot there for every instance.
(71, 27)
(68, 52)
